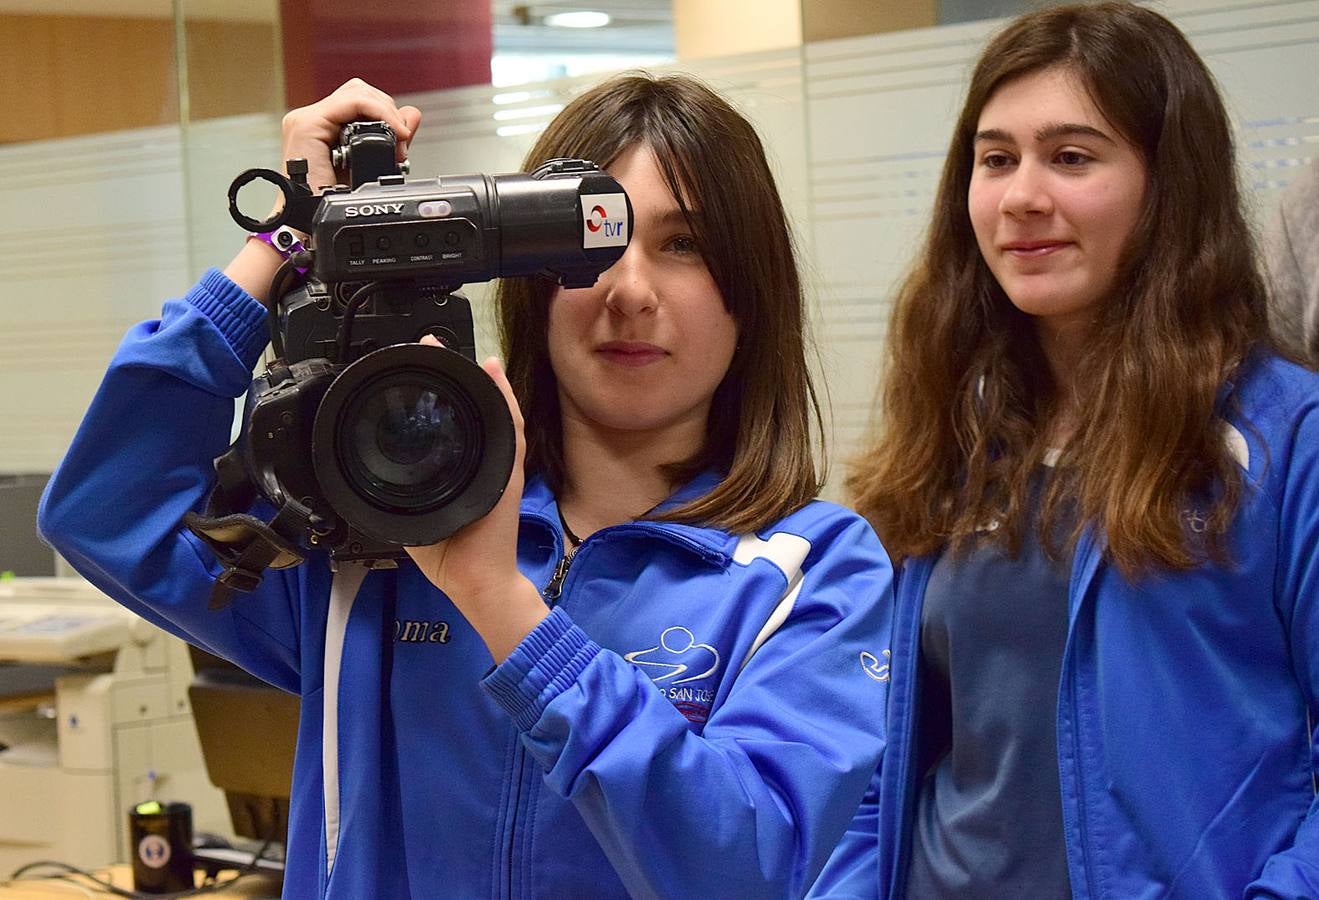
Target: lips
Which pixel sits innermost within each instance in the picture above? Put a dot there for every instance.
(631, 354)
(1033, 249)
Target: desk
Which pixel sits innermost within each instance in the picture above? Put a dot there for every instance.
(256, 887)
(18, 703)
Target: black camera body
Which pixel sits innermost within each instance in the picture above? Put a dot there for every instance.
(459, 229)
(310, 319)
(362, 439)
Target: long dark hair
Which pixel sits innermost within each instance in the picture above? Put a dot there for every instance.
(763, 415)
(967, 390)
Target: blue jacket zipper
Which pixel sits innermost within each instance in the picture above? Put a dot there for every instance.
(553, 590)
(552, 593)
(1087, 555)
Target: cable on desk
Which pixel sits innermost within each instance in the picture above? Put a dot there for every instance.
(67, 872)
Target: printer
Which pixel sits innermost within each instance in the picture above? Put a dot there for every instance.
(94, 718)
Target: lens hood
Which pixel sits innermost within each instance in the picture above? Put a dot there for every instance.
(412, 442)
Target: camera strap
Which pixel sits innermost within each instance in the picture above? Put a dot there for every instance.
(245, 545)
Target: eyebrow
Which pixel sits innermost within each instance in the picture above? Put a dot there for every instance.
(673, 216)
(1048, 132)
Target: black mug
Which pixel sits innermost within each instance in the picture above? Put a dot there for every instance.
(161, 842)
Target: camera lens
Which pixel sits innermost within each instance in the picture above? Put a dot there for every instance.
(411, 443)
(414, 440)
(410, 429)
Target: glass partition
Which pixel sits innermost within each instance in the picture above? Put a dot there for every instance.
(116, 185)
(93, 231)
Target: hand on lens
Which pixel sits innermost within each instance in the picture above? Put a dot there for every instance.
(311, 131)
(477, 567)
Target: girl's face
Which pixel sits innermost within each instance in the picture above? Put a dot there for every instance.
(1055, 193)
(646, 346)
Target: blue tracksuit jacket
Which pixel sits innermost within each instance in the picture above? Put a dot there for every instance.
(1186, 700)
(698, 716)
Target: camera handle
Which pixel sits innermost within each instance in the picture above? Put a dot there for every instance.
(366, 152)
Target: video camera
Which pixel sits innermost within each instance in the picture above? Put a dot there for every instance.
(363, 440)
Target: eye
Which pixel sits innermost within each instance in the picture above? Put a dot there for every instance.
(1072, 158)
(683, 244)
(996, 159)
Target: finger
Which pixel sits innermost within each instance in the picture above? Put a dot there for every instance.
(356, 87)
(495, 370)
(356, 107)
(430, 340)
(411, 117)
(307, 124)
(356, 100)
(386, 108)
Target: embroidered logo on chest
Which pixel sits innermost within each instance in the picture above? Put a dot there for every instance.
(673, 664)
(873, 667)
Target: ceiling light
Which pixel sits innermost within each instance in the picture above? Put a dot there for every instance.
(584, 18)
(545, 112)
(513, 130)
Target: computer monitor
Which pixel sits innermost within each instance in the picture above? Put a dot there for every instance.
(21, 548)
(248, 732)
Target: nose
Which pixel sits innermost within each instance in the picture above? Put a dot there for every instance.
(1027, 190)
(629, 285)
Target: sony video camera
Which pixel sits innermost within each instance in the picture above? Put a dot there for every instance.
(362, 439)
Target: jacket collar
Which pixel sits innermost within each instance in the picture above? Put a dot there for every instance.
(538, 501)
(1255, 358)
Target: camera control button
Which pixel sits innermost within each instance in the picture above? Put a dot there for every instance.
(451, 238)
(422, 240)
(434, 209)
(383, 243)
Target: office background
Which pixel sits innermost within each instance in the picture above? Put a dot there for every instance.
(125, 120)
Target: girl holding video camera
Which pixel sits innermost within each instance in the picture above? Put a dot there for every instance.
(1100, 484)
(653, 669)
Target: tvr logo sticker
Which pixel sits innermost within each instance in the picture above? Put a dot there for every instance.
(677, 653)
(604, 220)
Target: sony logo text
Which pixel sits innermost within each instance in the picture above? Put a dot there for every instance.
(373, 209)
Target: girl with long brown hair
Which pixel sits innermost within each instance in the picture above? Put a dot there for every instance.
(1100, 484)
